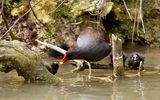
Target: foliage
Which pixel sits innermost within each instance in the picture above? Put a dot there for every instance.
(44, 12)
(8, 2)
(63, 11)
(17, 11)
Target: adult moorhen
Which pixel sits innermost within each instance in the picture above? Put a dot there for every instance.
(92, 45)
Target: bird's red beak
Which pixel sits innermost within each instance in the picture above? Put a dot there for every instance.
(63, 59)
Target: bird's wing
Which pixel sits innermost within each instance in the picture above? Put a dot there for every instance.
(86, 40)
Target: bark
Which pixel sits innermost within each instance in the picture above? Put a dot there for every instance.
(16, 55)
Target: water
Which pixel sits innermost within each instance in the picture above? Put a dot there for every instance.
(144, 88)
(78, 87)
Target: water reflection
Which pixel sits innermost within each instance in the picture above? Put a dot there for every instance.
(79, 88)
(127, 89)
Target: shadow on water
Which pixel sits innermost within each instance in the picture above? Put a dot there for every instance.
(76, 86)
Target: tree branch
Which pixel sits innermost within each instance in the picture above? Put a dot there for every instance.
(3, 15)
(127, 10)
(2, 6)
(35, 15)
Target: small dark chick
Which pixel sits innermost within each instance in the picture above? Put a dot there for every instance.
(134, 61)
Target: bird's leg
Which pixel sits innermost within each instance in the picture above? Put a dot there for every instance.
(90, 71)
(81, 66)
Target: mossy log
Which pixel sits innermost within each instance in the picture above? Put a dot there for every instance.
(28, 64)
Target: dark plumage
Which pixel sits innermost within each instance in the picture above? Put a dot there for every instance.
(53, 68)
(92, 45)
(56, 54)
(134, 61)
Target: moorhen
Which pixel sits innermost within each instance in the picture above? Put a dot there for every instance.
(135, 60)
(92, 45)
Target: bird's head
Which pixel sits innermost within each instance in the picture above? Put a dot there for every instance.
(135, 58)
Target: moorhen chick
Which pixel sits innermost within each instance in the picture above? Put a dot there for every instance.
(135, 60)
(92, 45)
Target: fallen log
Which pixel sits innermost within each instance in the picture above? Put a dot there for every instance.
(28, 64)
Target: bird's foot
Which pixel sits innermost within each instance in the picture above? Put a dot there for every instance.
(80, 66)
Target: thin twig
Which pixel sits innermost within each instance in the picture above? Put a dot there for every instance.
(58, 6)
(141, 17)
(5, 20)
(2, 5)
(134, 24)
(3, 15)
(138, 16)
(143, 24)
(127, 10)
(35, 15)
(77, 23)
(6, 33)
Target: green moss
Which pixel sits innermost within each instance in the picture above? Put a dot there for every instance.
(63, 11)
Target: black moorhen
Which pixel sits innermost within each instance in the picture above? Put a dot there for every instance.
(134, 61)
(92, 45)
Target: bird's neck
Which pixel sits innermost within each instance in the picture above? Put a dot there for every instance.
(73, 54)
